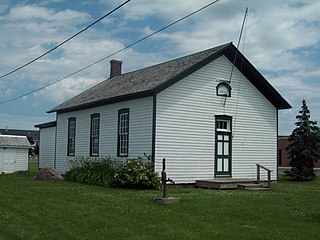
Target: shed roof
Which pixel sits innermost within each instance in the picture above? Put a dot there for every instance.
(14, 141)
(154, 79)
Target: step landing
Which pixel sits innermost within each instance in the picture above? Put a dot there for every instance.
(253, 187)
(224, 183)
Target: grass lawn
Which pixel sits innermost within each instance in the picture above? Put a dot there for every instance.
(62, 210)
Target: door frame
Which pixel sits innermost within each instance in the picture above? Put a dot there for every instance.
(225, 132)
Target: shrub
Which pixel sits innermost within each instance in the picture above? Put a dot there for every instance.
(107, 172)
(97, 171)
(136, 174)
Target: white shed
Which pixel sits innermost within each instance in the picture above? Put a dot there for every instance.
(13, 153)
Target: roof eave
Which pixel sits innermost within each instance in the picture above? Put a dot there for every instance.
(102, 102)
(256, 78)
(15, 146)
(46, 125)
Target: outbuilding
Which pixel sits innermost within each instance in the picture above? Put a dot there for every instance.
(13, 153)
(210, 114)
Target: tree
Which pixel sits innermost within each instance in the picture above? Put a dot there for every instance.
(304, 146)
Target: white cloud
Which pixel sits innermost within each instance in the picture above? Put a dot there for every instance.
(67, 88)
(137, 10)
(33, 12)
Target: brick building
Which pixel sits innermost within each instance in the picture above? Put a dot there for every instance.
(283, 159)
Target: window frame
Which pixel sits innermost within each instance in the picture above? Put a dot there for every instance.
(226, 125)
(123, 136)
(94, 136)
(71, 135)
(223, 135)
(224, 84)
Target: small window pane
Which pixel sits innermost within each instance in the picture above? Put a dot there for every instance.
(226, 164)
(219, 148)
(226, 148)
(219, 165)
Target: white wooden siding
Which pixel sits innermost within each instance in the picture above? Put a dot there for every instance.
(47, 146)
(185, 125)
(22, 159)
(140, 131)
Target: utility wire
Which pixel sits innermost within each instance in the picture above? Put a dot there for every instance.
(241, 77)
(67, 40)
(235, 56)
(100, 60)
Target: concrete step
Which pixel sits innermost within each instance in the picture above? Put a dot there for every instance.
(253, 187)
(224, 183)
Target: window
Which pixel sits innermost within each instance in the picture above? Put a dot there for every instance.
(123, 132)
(224, 89)
(223, 124)
(94, 136)
(71, 136)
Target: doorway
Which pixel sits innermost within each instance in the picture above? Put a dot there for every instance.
(223, 146)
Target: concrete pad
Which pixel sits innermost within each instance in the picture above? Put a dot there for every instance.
(165, 201)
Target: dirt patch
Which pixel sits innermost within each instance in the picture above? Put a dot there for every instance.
(48, 174)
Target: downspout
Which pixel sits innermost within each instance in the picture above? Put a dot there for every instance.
(55, 145)
(277, 117)
(39, 148)
(154, 120)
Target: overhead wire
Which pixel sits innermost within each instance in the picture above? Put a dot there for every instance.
(236, 54)
(65, 41)
(241, 77)
(110, 55)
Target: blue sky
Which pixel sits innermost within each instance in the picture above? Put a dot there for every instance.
(281, 40)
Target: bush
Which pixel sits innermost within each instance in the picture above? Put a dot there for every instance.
(136, 174)
(98, 171)
(107, 172)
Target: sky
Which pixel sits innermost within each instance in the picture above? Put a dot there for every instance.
(280, 38)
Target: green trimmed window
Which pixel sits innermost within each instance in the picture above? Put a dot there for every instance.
(71, 136)
(123, 132)
(94, 134)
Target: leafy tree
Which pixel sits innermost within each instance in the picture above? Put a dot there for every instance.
(304, 146)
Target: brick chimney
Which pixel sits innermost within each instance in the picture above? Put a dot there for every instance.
(115, 68)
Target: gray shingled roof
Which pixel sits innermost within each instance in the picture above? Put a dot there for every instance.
(139, 81)
(14, 141)
(151, 80)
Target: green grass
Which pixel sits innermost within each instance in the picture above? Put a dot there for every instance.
(33, 164)
(32, 209)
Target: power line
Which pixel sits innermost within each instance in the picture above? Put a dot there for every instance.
(67, 40)
(112, 54)
(236, 54)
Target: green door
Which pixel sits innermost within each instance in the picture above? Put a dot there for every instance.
(223, 163)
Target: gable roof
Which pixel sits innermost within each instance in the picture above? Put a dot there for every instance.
(151, 80)
(14, 141)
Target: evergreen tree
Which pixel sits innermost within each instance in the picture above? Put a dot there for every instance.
(304, 146)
